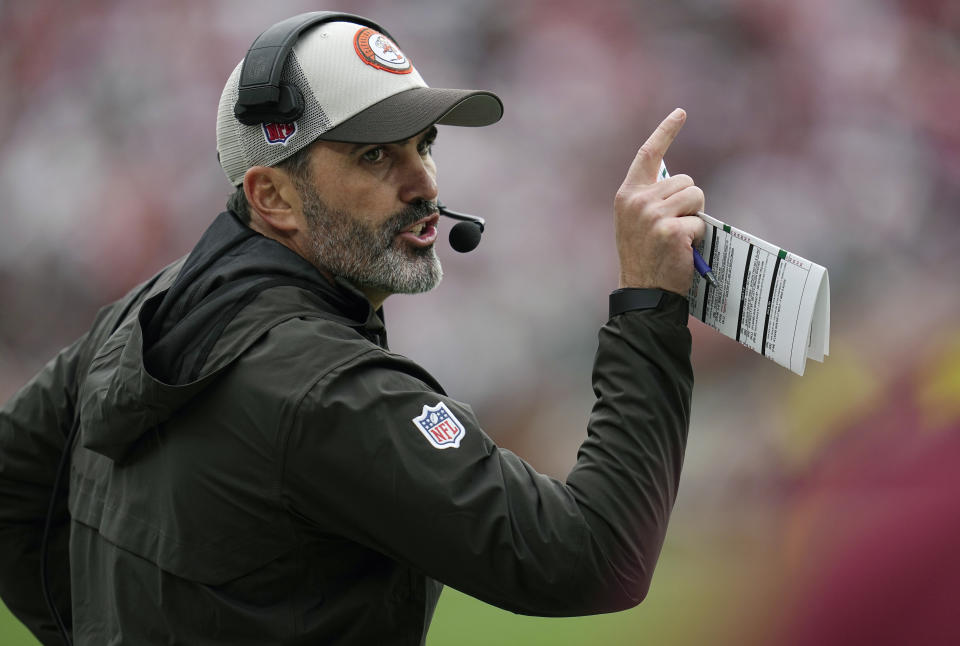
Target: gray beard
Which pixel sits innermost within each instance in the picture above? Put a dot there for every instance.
(367, 256)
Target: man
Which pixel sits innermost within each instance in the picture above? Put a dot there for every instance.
(252, 465)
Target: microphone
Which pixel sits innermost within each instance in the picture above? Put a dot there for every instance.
(465, 235)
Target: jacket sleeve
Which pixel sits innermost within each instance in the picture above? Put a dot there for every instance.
(453, 505)
(34, 426)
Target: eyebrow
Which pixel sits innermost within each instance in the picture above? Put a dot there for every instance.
(429, 133)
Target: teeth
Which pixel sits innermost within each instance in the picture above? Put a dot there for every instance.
(417, 229)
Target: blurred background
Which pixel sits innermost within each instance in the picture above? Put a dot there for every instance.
(816, 509)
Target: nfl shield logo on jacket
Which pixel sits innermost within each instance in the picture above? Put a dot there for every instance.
(440, 426)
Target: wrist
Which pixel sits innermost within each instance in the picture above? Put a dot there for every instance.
(636, 281)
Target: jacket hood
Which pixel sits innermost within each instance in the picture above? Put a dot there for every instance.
(186, 334)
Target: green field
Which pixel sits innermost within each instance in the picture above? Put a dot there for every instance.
(692, 601)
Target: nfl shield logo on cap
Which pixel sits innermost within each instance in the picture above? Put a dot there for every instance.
(441, 427)
(279, 133)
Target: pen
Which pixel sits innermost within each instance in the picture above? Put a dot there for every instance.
(698, 262)
(703, 268)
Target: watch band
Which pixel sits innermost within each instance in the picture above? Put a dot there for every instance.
(626, 299)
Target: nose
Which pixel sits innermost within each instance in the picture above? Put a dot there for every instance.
(419, 180)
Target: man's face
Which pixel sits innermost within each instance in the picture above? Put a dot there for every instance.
(371, 214)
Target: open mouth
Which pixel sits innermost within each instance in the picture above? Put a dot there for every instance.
(422, 233)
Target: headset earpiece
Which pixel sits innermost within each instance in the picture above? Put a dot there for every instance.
(262, 98)
(287, 108)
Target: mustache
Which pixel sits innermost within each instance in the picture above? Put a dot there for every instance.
(413, 212)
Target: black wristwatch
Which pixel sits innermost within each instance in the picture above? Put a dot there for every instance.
(626, 299)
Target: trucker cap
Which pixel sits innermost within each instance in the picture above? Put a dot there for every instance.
(358, 87)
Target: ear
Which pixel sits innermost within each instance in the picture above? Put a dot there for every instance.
(274, 200)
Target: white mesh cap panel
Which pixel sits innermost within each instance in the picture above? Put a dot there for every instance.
(241, 146)
(229, 147)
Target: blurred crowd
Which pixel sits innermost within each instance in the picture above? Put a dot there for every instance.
(829, 128)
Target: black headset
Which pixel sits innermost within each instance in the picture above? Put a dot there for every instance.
(263, 98)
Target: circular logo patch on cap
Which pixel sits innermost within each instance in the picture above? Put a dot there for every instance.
(378, 51)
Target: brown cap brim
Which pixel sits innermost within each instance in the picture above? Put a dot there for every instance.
(406, 113)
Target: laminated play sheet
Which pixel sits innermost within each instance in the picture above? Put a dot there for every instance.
(767, 299)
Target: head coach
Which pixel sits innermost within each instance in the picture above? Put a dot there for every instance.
(232, 455)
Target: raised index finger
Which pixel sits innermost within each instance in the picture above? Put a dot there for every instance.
(646, 165)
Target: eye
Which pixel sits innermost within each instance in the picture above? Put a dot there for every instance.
(426, 146)
(374, 155)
